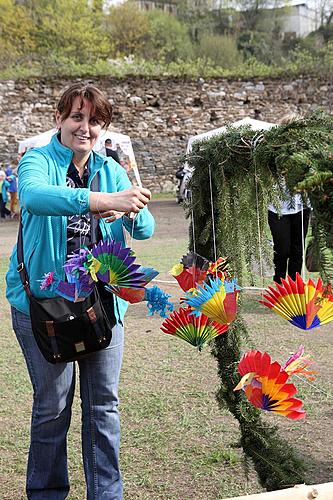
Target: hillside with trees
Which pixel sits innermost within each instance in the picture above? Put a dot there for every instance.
(204, 38)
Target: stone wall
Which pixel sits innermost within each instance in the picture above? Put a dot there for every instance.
(160, 115)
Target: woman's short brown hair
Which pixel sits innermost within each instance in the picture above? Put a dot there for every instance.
(101, 107)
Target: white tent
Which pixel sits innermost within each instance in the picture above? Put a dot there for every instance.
(253, 124)
(36, 141)
(119, 142)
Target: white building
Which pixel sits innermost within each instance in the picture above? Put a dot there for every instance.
(298, 19)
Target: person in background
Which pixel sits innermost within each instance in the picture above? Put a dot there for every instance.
(4, 184)
(111, 152)
(54, 187)
(11, 172)
(288, 223)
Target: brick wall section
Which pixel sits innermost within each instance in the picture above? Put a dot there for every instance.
(160, 115)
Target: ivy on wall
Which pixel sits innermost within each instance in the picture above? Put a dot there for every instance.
(236, 175)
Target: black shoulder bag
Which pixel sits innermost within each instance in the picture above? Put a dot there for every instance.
(64, 330)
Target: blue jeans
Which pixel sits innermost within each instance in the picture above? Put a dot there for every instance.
(53, 385)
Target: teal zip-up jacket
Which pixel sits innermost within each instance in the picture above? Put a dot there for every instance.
(46, 202)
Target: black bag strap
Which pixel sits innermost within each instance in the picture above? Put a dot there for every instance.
(21, 267)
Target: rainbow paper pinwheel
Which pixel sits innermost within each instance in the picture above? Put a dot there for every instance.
(305, 305)
(134, 295)
(196, 330)
(264, 384)
(191, 271)
(113, 264)
(216, 299)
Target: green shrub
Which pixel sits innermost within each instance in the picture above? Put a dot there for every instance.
(127, 28)
(220, 50)
(16, 39)
(168, 39)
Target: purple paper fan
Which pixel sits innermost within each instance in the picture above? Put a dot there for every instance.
(78, 290)
(118, 260)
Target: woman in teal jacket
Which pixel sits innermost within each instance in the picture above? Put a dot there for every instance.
(56, 204)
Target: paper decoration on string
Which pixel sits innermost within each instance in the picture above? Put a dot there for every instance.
(216, 299)
(75, 289)
(305, 305)
(108, 262)
(113, 264)
(299, 364)
(191, 271)
(219, 269)
(265, 385)
(157, 301)
(134, 295)
(196, 330)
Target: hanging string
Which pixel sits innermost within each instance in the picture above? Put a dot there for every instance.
(193, 236)
(193, 228)
(261, 268)
(213, 215)
(250, 288)
(314, 386)
(303, 245)
(132, 230)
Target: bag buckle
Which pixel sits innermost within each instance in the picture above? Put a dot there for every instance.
(20, 267)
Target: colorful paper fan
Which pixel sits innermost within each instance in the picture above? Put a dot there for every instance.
(149, 273)
(264, 384)
(192, 258)
(134, 295)
(191, 271)
(113, 264)
(299, 364)
(196, 330)
(305, 305)
(216, 299)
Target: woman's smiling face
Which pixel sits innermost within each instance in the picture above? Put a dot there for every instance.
(80, 130)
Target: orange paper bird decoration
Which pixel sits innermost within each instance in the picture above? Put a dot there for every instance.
(196, 330)
(305, 305)
(265, 385)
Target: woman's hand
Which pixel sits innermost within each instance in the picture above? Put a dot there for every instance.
(111, 204)
(110, 215)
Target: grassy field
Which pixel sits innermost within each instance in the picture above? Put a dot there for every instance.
(176, 443)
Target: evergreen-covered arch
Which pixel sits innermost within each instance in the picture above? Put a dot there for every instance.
(246, 168)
